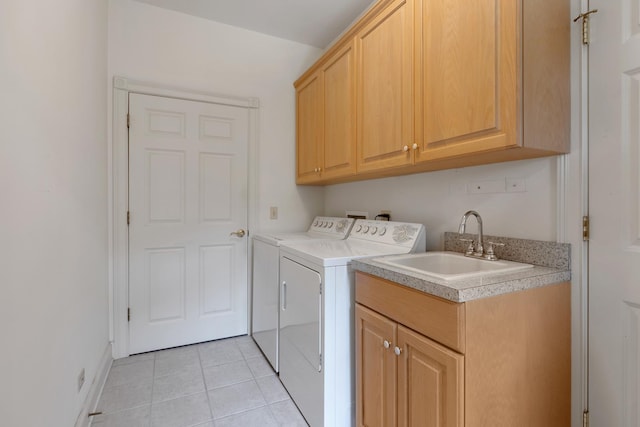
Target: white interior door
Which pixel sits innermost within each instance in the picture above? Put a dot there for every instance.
(614, 247)
(187, 194)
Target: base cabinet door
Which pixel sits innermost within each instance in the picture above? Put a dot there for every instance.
(404, 378)
(375, 369)
(430, 382)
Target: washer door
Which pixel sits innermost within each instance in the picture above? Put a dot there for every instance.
(300, 337)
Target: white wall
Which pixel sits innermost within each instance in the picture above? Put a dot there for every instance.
(53, 215)
(439, 199)
(166, 47)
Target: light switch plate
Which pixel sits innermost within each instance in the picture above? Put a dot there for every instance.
(483, 187)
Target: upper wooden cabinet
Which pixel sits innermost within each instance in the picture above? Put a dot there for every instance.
(385, 91)
(326, 120)
(465, 77)
(442, 84)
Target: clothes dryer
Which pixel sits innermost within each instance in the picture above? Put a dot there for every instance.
(265, 295)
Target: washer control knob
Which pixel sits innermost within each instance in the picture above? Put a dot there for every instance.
(383, 231)
(315, 224)
(374, 230)
(358, 229)
(330, 224)
(366, 228)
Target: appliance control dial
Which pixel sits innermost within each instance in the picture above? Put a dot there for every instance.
(330, 223)
(358, 229)
(374, 230)
(315, 224)
(366, 229)
(383, 231)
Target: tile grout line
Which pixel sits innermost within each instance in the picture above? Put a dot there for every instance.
(204, 383)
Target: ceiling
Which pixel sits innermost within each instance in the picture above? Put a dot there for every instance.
(312, 22)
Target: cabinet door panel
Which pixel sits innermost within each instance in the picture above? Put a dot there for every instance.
(430, 383)
(339, 151)
(375, 369)
(309, 128)
(466, 77)
(385, 88)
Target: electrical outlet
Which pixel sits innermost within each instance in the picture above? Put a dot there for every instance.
(484, 187)
(516, 185)
(81, 379)
(273, 212)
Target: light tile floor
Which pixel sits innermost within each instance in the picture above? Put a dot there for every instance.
(215, 384)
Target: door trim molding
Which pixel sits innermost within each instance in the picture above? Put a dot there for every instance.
(118, 190)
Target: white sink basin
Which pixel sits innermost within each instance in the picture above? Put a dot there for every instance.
(451, 265)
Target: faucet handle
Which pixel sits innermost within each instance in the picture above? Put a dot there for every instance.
(471, 248)
(490, 255)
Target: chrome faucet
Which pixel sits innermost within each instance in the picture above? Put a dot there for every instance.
(479, 249)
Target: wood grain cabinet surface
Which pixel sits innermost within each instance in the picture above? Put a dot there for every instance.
(443, 84)
(423, 361)
(325, 119)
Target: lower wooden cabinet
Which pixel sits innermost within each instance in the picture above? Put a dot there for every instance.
(404, 378)
(500, 361)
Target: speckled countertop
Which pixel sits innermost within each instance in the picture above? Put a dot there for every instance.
(551, 265)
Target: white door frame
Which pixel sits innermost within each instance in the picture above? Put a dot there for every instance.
(119, 192)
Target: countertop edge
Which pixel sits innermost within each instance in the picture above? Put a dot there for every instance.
(467, 289)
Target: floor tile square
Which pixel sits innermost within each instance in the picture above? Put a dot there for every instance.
(219, 353)
(272, 389)
(125, 397)
(182, 412)
(228, 374)
(182, 384)
(137, 417)
(287, 414)
(176, 360)
(260, 417)
(248, 347)
(132, 373)
(260, 367)
(143, 357)
(235, 398)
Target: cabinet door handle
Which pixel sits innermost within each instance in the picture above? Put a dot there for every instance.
(386, 344)
(320, 330)
(284, 295)
(397, 351)
(414, 146)
(405, 148)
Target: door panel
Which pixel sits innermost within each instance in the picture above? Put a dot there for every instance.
(385, 88)
(339, 144)
(466, 77)
(309, 128)
(614, 244)
(187, 192)
(430, 383)
(376, 366)
(300, 334)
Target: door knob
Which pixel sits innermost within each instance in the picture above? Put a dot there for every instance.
(238, 233)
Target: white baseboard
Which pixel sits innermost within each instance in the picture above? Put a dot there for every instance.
(95, 391)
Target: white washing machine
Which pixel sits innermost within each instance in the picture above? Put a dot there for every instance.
(265, 293)
(317, 349)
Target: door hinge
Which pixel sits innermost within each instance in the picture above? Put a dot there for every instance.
(585, 228)
(585, 24)
(128, 314)
(585, 419)
(128, 217)
(128, 121)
